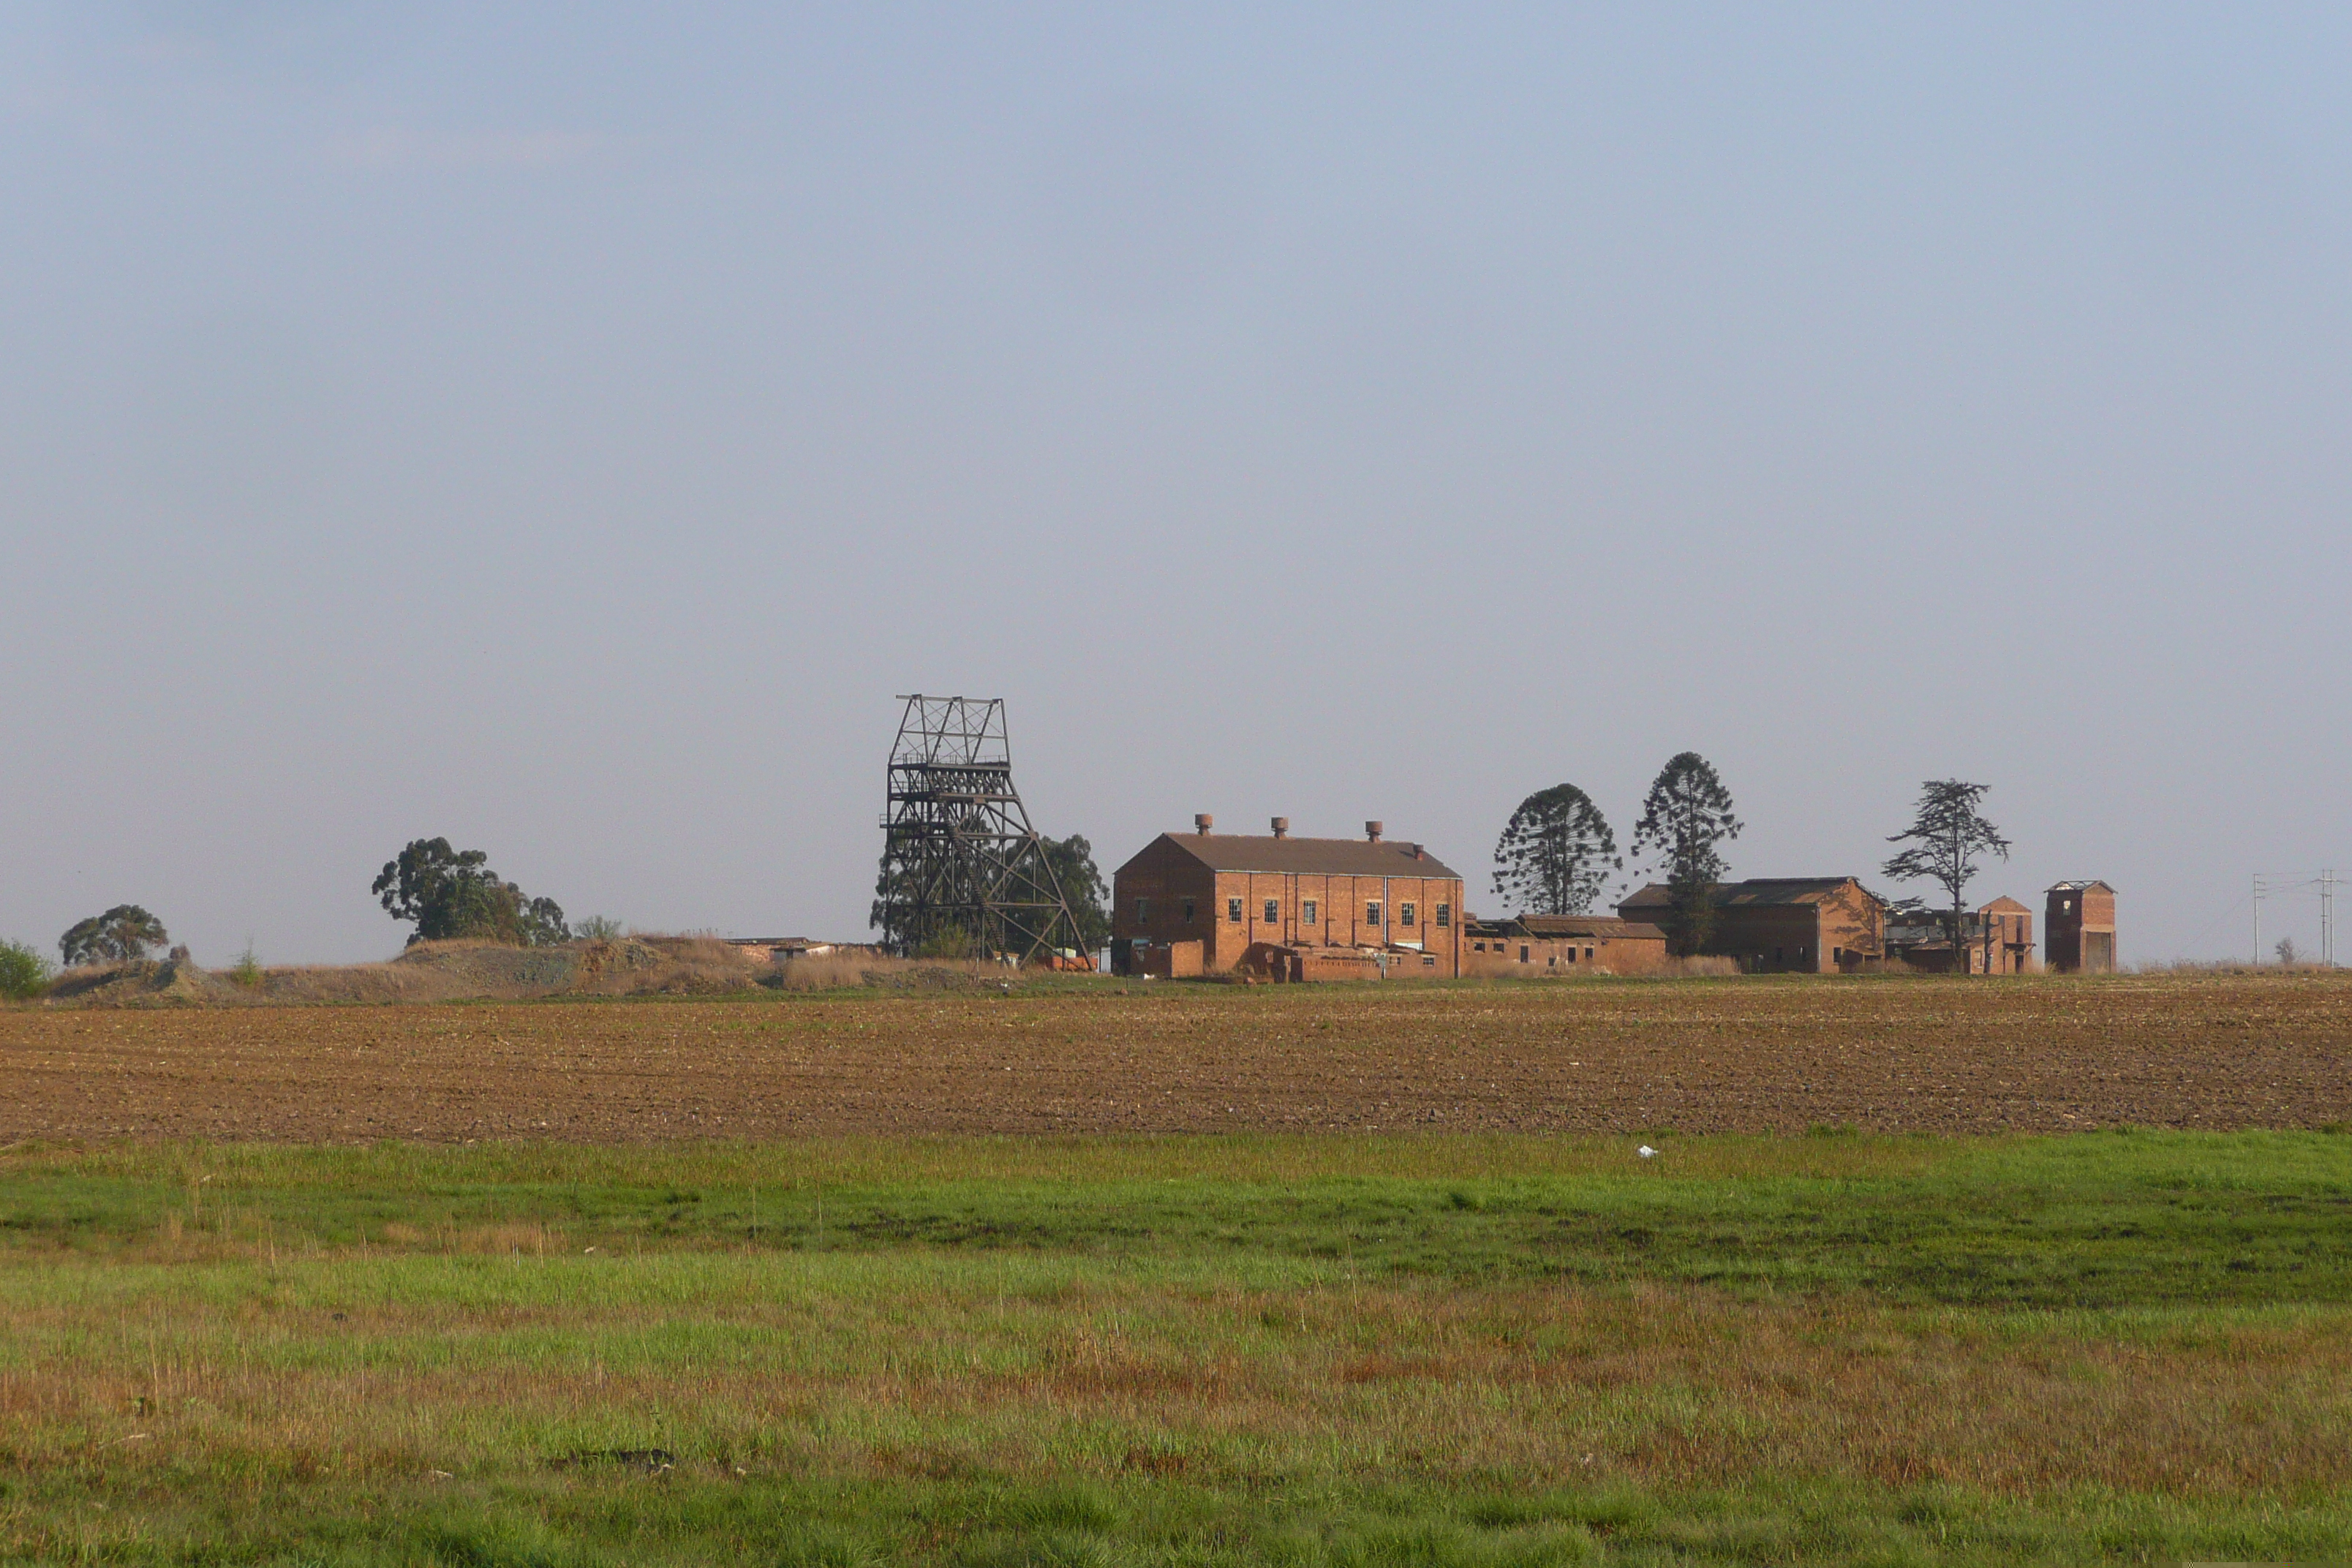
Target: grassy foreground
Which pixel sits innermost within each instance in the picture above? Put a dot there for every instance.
(1311, 1349)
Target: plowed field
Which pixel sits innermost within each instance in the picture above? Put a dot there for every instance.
(1733, 1056)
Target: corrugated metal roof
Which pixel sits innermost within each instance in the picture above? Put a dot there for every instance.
(1587, 925)
(1307, 857)
(1755, 891)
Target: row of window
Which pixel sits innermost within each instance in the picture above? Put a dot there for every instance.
(1524, 952)
(1310, 913)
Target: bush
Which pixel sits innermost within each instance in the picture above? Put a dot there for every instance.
(24, 973)
(246, 970)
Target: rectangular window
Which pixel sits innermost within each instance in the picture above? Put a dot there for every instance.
(1429, 960)
(1233, 911)
(1143, 911)
(1523, 952)
(1445, 916)
(1306, 912)
(1478, 947)
(1406, 914)
(1273, 912)
(1187, 912)
(1587, 955)
(1572, 955)
(1372, 913)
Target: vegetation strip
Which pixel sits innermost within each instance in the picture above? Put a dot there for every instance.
(1306, 1349)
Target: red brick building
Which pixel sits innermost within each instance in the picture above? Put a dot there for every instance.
(2080, 922)
(1820, 925)
(1561, 947)
(1998, 939)
(1290, 906)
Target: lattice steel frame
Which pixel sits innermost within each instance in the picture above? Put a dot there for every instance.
(959, 849)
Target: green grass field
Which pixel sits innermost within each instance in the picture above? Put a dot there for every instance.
(1434, 1350)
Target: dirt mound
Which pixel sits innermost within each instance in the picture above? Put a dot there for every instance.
(428, 971)
(492, 971)
(936, 977)
(478, 971)
(146, 982)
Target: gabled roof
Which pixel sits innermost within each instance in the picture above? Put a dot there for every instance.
(2079, 887)
(1587, 925)
(1306, 857)
(1755, 891)
(2005, 905)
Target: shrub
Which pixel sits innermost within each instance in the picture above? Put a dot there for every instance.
(246, 970)
(24, 973)
(598, 928)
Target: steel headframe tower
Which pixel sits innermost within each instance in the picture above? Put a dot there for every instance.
(959, 856)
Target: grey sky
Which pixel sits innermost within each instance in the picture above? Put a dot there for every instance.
(564, 429)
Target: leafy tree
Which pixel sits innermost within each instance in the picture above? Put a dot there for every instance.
(449, 894)
(1083, 887)
(892, 889)
(1685, 821)
(1071, 860)
(124, 931)
(541, 921)
(1945, 837)
(24, 973)
(1555, 854)
(949, 940)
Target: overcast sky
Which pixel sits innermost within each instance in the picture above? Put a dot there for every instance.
(565, 429)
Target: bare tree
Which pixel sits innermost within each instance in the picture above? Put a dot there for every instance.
(1556, 853)
(1945, 837)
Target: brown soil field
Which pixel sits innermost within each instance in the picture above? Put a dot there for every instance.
(1751, 1055)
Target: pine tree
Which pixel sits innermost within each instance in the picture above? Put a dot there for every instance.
(1685, 822)
(1556, 853)
(1945, 837)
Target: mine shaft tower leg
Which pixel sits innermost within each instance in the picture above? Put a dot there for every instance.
(960, 858)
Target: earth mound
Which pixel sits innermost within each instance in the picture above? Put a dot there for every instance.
(146, 982)
(429, 972)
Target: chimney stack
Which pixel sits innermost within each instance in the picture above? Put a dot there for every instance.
(1372, 831)
(1202, 823)
(1282, 828)
(1416, 852)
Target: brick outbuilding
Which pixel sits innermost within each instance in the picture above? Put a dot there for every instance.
(1824, 925)
(1561, 947)
(1286, 906)
(1998, 939)
(2079, 923)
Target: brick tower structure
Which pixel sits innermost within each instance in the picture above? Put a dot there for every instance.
(2079, 928)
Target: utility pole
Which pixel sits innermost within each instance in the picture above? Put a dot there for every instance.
(2258, 918)
(2327, 916)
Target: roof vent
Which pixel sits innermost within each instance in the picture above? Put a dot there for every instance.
(1282, 828)
(1203, 821)
(1372, 831)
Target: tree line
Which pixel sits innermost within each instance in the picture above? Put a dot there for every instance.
(1555, 856)
(1556, 852)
